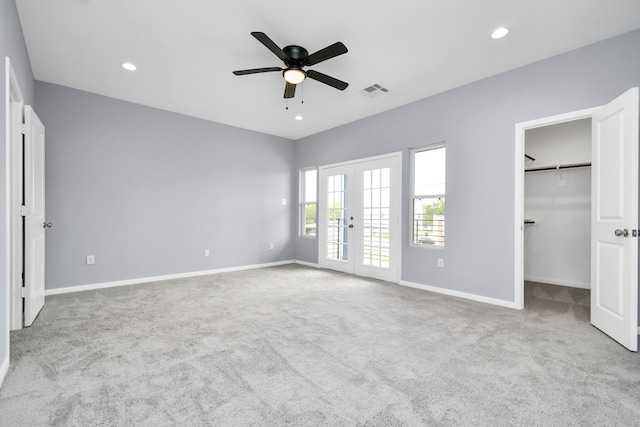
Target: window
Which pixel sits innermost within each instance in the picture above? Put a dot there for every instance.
(428, 195)
(308, 198)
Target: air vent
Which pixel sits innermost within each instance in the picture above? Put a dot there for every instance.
(375, 90)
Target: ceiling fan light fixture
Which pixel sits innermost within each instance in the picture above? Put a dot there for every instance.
(294, 76)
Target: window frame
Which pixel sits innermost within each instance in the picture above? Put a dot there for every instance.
(413, 196)
(302, 178)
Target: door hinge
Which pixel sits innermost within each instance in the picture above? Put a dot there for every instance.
(23, 128)
(22, 292)
(634, 233)
(23, 210)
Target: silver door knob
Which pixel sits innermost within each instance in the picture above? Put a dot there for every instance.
(623, 233)
(47, 225)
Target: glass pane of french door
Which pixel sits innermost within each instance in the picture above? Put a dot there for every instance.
(337, 234)
(376, 210)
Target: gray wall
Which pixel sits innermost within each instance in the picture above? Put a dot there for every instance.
(477, 121)
(146, 191)
(11, 45)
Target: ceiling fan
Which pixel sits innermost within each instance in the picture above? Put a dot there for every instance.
(295, 58)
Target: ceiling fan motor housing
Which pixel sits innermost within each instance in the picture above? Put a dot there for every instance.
(297, 54)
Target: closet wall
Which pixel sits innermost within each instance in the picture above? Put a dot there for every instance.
(557, 248)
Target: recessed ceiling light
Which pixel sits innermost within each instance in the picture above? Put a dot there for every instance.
(299, 117)
(129, 66)
(500, 33)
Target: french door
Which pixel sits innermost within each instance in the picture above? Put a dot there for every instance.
(360, 217)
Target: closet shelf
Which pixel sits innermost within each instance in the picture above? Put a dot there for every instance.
(558, 167)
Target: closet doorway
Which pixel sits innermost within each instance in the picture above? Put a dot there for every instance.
(557, 216)
(613, 240)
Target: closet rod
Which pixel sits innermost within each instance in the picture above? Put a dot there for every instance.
(549, 168)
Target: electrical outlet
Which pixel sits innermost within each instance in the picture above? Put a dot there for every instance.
(206, 252)
(270, 245)
(91, 260)
(440, 262)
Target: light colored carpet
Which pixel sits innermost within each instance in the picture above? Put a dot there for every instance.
(544, 298)
(297, 346)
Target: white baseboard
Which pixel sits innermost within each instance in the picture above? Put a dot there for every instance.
(474, 297)
(551, 281)
(308, 264)
(4, 369)
(459, 294)
(128, 282)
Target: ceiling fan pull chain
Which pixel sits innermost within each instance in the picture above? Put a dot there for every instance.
(302, 92)
(286, 103)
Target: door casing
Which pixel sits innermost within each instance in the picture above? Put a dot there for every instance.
(15, 107)
(521, 128)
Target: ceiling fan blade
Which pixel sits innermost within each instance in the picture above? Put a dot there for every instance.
(256, 70)
(265, 40)
(328, 52)
(289, 90)
(328, 80)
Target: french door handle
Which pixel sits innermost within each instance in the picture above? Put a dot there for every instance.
(47, 225)
(623, 233)
(350, 225)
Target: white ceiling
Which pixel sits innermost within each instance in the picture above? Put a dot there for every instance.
(186, 50)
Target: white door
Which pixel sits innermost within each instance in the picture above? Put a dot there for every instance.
(34, 221)
(614, 220)
(360, 216)
(337, 218)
